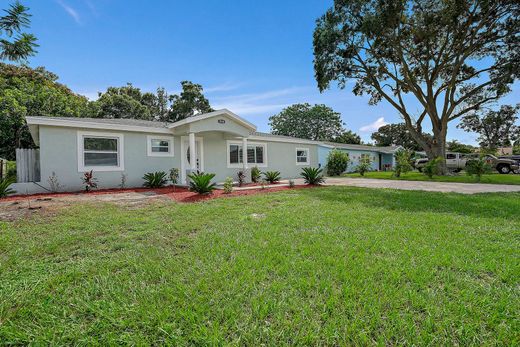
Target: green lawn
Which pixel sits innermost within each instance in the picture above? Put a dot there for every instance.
(461, 177)
(323, 266)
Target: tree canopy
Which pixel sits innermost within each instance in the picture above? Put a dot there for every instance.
(318, 122)
(450, 57)
(35, 92)
(495, 128)
(396, 135)
(456, 146)
(348, 136)
(190, 102)
(123, 102)
(16, 45)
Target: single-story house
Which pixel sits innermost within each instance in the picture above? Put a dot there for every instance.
(211, 142)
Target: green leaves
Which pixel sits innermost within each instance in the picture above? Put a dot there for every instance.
(22, 45)
(155, 179)
(188, 103)
(4, 186)
(312, 175)
(272, 176)
(317, 122)
(337, 162)
(201, 182)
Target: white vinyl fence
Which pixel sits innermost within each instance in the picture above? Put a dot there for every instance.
(27, 165)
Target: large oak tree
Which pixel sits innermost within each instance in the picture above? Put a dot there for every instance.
(449, 57)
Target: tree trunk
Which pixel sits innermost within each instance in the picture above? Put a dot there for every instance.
(438, 149)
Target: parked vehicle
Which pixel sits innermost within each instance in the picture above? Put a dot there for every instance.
(514, 157)
(457, 162)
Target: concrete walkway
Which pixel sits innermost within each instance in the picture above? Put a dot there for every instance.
(463, 188)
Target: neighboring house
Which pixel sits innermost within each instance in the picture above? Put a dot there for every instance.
(381, 158)
(211, 142)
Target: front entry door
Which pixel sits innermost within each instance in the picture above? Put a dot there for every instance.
(186, 160)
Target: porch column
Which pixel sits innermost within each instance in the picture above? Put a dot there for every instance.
(244, 152)
(193, 153)
(246, 171)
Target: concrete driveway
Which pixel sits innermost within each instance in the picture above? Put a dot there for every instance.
(463, 188)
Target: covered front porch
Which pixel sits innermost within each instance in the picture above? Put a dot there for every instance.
(204, 141)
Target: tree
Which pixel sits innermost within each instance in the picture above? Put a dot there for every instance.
(495, 128)
(16, 45)
(122, 102)
(456, 146)
(449, 57)
(35, 92)
(348, 136)
(188, 103)
(397, 135)
(317, 122)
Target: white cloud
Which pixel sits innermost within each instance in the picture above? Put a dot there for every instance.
(70, 11)
(270, 102)
(374, 126)
(225, 87)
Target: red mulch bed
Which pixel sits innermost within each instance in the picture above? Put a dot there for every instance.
(180, 194)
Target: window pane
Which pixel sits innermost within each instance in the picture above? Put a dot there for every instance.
(301, 159)
(101, 159)
(259, 154)
(100, 144)
(300, 153)
(234, 154)
(251, 155)
(160, 149)
(450, 156)
(163, 143)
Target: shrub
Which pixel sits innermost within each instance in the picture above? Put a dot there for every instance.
(228, 185)
(478, 167)
(155, 179)
(312, 175)
(200, 182)
(89, 181)
(4, 186)
(291, 184)
(272, 176)
(256, 174)
(54, 183)
(337, 162)
(174, 175)
(124, 176)
(11, 169)
(432, 167)
(364, 165)
(241, 177)
(403, 162)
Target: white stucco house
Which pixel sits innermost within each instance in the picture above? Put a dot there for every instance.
(211, 142)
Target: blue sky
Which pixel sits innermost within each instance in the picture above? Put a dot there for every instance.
(253, 57)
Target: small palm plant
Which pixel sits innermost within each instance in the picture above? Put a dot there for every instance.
(201, 182)
(478, 167)
(272, 176)
(155, 179)
(312, 175)
(364, 166)
(4, 186)
(256, 174)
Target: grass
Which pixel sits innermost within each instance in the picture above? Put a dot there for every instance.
(494, 178)
(322, 266)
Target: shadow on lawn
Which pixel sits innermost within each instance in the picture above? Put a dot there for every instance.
(490, 205)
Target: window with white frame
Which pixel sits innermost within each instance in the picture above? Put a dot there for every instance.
(255, 154)
(100, 151)
(160, 146)
(302, 156)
